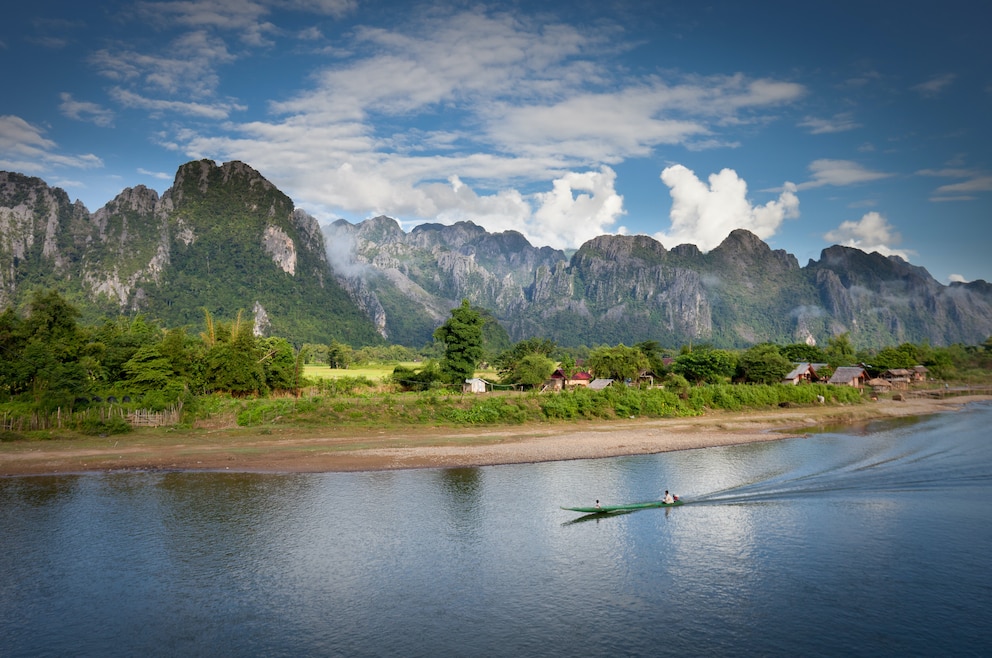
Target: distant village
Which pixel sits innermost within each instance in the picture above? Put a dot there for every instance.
(896, 379)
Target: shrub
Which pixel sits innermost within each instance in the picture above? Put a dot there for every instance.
(97, 426)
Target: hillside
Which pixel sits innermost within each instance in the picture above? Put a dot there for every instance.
(221, 239)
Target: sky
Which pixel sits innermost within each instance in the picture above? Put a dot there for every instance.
(863, 124)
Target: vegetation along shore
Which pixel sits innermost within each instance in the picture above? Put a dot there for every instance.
(129, 394)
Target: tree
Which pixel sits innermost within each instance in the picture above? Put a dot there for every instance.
(187, 357)
(803, 353)
(51, 361)
(339, 355)
(462, 338)
(620, 362)
(119, 340)
(235, 365)
(653, 351)
(906, 355)
(147, 370)
(410, 379)
(763, 364)
(507, 361)
(278, 363)
(705, 365)
(531, 370)
(840, 350)
(568, 365)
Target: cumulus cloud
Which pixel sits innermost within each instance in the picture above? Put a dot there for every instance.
(705, 214)
(532, 118)
(580, 207)
(871, 233)
(956, 278)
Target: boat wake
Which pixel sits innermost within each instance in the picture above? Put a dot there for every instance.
(918, 458)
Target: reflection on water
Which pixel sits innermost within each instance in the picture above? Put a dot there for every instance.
(884, 531)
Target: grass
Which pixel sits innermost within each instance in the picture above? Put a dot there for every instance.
(373, 371)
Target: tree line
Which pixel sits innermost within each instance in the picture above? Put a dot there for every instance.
(50, 361)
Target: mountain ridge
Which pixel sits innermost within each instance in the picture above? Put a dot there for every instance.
(223, 239)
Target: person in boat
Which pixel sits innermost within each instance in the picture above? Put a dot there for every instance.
(597, 503)
(669, 498)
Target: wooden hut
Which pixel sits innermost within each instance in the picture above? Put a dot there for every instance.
(854, 376)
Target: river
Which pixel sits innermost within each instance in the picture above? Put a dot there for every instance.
(872, 540)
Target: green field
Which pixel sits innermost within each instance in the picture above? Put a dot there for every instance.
(373, 371)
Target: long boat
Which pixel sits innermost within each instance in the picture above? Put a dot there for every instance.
(613, 509)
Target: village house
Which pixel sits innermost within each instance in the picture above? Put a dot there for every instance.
(802, 373)
(879, 385)
(899, 378)
(559, 381)
(854, 376)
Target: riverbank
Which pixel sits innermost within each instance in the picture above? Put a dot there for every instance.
(296, 449)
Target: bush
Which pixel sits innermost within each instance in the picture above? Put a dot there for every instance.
(96, 426)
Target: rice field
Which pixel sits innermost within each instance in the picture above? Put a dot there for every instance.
(372, 371)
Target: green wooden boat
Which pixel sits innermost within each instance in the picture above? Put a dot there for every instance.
(613, 509)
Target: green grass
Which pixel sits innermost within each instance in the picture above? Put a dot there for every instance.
(373, 371)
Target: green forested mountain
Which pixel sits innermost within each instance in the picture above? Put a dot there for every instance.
(223, 239)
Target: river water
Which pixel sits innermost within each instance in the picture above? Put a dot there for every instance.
(873, 540)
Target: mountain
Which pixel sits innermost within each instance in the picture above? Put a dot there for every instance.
(224, 239)
(622, 288)
(221, 239)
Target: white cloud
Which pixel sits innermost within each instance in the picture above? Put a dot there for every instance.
(580, 207)
(836, 124)
(501, 118)
(161, 175)
(500, 106)
(871, 233)
(705, 215)
(839, 172)
(190, 68)
(935, 85)
(974, 182)
(130, 99)
(84, 111)
(956, 278)
(24, 148)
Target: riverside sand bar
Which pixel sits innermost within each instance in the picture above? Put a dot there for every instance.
(330, 449)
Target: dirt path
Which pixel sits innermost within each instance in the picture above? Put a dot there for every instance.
(294, 449)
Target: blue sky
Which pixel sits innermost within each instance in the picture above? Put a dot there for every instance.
(857, 123)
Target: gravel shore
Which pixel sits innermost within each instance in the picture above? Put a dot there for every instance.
(331, 450)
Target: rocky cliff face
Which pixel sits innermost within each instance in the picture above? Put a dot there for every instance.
(875, 294)
(410, 282)
(630, 288)
(41, 233)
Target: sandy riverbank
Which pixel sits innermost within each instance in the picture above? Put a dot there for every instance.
(331, 449)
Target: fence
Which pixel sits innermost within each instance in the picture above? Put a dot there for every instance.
(62, 419)
(146, 418)
(947, 392)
